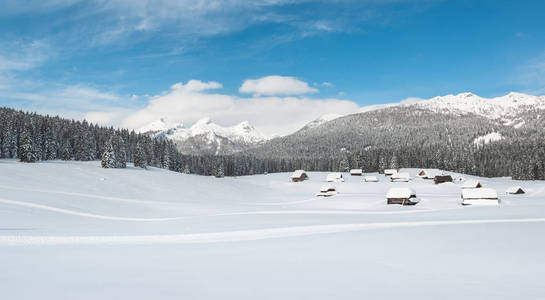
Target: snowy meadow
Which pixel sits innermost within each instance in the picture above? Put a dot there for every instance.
(74, 230)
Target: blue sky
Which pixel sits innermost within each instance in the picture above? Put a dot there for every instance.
(115, 62)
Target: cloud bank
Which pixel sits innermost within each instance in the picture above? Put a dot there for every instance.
(273, 115)
(276, 85)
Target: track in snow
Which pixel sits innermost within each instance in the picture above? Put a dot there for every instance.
(232, 236)
(82, 214)
(266, 212)
(86, 195)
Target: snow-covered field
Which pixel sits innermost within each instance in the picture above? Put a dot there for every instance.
(71, 230)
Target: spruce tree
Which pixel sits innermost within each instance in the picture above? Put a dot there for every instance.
(140, 156)
(26, 148)
(108, 157)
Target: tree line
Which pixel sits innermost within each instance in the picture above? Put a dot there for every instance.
(30, 137)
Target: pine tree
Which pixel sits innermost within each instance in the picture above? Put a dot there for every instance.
(120, 153)
(108, 158)
(393, 162)
(344, 165)
(140, 156)
(26, 148)
(66, 151)
(381, 164)
(219, 171)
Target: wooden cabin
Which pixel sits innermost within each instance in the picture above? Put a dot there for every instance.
(400, 177)
(442, 179)
(390, 172)
(334, 177)
(356, 172)
(299, 175)
(370, 179)
(327, 190)
(471, 184)
(428, 173)
(482, 196)
(403, 196)
(515, 190)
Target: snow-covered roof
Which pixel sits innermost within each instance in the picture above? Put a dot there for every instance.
(514, 189)
(390, 171)
(471, 184)
(404, 192)
(429, 173)
(370, 178)
(483, 193)
(402, 175)
(327, 187)
(297, 173)
(356, 171)
(334, 176)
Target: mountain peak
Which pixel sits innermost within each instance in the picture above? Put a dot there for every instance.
(160, 124)
(202, 121)
(206, 131)
(492, 108)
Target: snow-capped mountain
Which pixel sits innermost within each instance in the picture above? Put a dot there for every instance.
(207, 137)
(505, 108)
(510, 110)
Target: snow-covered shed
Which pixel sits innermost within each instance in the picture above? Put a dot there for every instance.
(471, 184)
(515, 190)
(356, 172)
(327, 190)
(370, 178)
(442, 179)
(482, 196)
(403, 196)
(429, 173)
(400, 177)
(299, 175)
(390, 172)
(332, 177)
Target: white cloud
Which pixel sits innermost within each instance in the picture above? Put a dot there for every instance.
(327, 84)
(276, 85)
(271, 115)
(196, 86)
(73, 100)
(18, 56)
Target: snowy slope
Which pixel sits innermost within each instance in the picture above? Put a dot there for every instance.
(487, 138)
(92, 233)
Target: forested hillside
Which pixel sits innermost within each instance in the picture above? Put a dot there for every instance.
(389, 138)
(417, 137)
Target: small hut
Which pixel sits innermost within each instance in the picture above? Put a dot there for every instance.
(334, 177)
(428, 173)
(327, 190)
(442, 179)
(390, 172)
(356, 172)
(482, 196)
(403, 196)
(471, 184)
(370, 179)
(299, 175)
(400, 177)
(515, 190)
